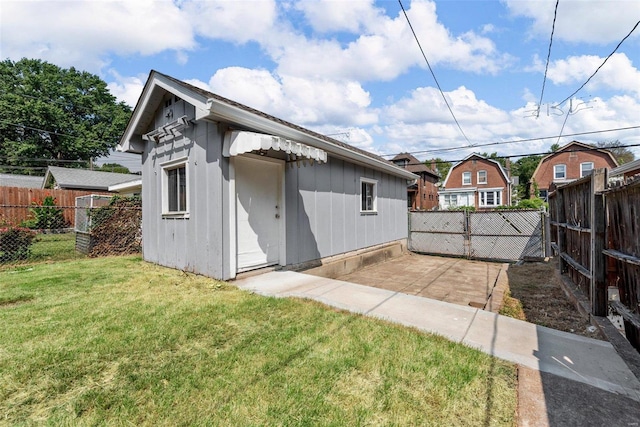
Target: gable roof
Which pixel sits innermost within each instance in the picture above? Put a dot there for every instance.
(86, 179)
(414, 165)
(209, 105)
(23, 181)
(625, 168)
(577, 146)
(497, 163)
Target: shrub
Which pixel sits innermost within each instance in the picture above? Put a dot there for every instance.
(47, 215)
(15, 243)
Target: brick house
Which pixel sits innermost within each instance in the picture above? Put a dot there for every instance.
(423, 194)
(573, 161)
(476, 181)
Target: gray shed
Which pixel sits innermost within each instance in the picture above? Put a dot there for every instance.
(228, 188)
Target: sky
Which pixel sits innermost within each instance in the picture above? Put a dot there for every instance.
(353, 69)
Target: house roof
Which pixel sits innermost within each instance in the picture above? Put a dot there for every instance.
(215, 107)
(625, 168)
(497, 163)
(574, 146)
(414, 165)
(86, 179)
(24, 181)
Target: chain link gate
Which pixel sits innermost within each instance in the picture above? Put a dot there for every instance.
(507, 235)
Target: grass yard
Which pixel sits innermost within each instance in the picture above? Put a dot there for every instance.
(54, 247)
(120, 341)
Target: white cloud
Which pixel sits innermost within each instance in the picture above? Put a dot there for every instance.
(236, 21)
(81, 34)
(127, 89)
(351, 16)
(618, 73)
(302, 101)
(384, 50)
(593, 21)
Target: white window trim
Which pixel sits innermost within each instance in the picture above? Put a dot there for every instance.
(375, 195)
(582, 169)
(485, 177)
(490, 190)
(463, 174)
(165, 167)
(555, 173)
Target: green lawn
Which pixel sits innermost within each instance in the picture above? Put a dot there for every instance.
(120, 341)
(54, 247)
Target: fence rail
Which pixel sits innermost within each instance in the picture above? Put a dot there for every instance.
(29, 234)
(13, 201)
(504, 235)
(596, 227)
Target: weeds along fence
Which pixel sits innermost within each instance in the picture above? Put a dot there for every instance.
(595, 226)
(47, 231)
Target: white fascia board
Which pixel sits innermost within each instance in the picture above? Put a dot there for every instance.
(132, 143)
(219, 110)
(459, 190)
(126, 185)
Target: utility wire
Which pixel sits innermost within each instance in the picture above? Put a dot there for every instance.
(603, 62)
(546, 68)
(512, 142)
(415, 36)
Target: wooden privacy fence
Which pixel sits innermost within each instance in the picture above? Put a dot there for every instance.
(595, 227)
(15, 201)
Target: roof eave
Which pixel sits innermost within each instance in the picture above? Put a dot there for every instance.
(219, 110)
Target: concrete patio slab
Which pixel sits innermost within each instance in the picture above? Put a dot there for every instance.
(567, 355)
(454, 280)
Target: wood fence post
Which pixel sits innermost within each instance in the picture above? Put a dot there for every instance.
(562, 232)
(598, 259)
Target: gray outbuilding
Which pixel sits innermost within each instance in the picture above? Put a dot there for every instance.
(228, 188)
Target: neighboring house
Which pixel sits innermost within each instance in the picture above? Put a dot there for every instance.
(228, 188)
(21, 181)
(129, 188)
(478, 182)
(423, 194)
(573, 161)
(83, 179)
(625, 171)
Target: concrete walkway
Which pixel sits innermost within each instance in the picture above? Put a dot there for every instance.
(542, 349)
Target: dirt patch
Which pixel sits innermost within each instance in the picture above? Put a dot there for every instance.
(535, 295)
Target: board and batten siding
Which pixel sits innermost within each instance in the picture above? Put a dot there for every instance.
(323, 210)
(194, 244)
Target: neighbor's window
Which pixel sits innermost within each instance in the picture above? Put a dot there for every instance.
(559, 172)
(543, 195)
(466, 178)
(451, 200)
(490, 198)
(586, 168)
(482, 177)
(368, 190)
(174, 197)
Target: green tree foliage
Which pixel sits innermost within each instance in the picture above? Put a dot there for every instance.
(554, 147)
(494, 156)
(442, 166)
(47, 112)
(524, 168)
(114, 167)
(622, 154)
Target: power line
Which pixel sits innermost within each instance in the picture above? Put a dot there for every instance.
(546, 68)
(512, 142)
(415, 36)
(603, 62)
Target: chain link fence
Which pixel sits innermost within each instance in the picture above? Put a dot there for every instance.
(45, 232)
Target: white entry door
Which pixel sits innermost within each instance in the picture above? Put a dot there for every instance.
(258, 211)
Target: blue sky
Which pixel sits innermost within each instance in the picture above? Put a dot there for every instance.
(353, 69)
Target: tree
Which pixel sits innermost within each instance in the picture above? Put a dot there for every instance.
(442, 166)
(554, 147)
(622, 154)
(63, 116)
(114, 167)
(524, 168)
(494, 156)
